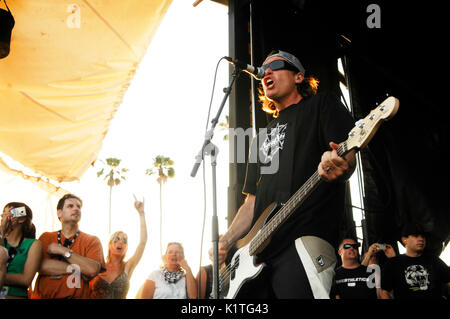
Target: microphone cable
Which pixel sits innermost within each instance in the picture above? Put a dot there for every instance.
(204, 183)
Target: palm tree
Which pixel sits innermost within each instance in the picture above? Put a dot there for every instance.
(225, 126)
(113, 177)
(163, 166)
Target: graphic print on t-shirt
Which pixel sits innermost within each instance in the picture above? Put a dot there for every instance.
(417, 277)
(274, 142)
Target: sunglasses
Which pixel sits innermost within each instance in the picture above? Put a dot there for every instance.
(279, 65)
(347, 246)
(117, 238)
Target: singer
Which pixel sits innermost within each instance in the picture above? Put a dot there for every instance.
(303, 134)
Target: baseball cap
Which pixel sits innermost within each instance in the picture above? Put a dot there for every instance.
(290, 58)
(412, 229)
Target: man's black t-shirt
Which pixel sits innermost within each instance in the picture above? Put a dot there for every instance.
(415, 277)
(289, 152)
(354, 283)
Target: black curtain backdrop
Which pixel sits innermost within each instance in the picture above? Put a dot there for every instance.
(405, 174)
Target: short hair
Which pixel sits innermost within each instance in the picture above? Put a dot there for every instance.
(175, 243)
(60, 204)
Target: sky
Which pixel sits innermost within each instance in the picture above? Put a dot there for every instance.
(164, 112)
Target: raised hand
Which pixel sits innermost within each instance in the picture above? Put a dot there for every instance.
(389, 251)
(8, 221)
(139, 205)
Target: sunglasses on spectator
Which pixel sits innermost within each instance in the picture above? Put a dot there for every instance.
(347, 246)
(117, 238)
(279, 65)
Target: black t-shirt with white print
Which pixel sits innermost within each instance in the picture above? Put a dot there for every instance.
(289, 151)
(421, 277)
(357, 283)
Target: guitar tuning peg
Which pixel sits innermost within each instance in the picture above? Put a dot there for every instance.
(360, 123)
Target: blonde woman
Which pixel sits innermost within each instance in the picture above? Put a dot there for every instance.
(174, 281)
(114, 283)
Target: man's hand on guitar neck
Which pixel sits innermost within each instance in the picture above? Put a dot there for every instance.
(333, 167)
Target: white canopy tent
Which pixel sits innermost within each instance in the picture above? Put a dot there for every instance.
(69, 66)
(43, 149)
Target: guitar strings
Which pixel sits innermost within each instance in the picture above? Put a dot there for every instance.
(284, 211)
(258, 239)
(287, 209)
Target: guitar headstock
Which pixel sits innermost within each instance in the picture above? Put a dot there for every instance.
(365, 128)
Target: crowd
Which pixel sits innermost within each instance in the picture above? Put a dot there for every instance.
(300, 258)
(70, 264)
(382, 274)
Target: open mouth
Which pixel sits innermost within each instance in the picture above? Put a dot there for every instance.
(269, 83)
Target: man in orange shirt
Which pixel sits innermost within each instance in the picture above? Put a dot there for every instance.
(71, 258)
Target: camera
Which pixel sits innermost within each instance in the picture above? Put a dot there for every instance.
(381, 246)
(19, 212)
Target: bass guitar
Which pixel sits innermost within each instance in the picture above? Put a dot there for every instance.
(243, 267)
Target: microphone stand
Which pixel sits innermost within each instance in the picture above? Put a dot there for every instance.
(209, 148)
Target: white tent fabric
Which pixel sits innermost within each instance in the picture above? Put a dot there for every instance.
(65, 77)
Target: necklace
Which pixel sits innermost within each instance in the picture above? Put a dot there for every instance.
(67, 242)
(172, 277)
(12, 251)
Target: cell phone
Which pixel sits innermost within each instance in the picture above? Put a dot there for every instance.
(19, 212)
(382, 246)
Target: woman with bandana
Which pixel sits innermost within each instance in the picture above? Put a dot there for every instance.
(174, 281)
(114, 283)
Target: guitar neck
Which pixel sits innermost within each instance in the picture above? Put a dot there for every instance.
(289, 207)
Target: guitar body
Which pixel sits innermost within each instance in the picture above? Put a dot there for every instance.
(243, 274)
(244, 266)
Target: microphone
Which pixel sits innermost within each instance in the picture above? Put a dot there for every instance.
(257, 73)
